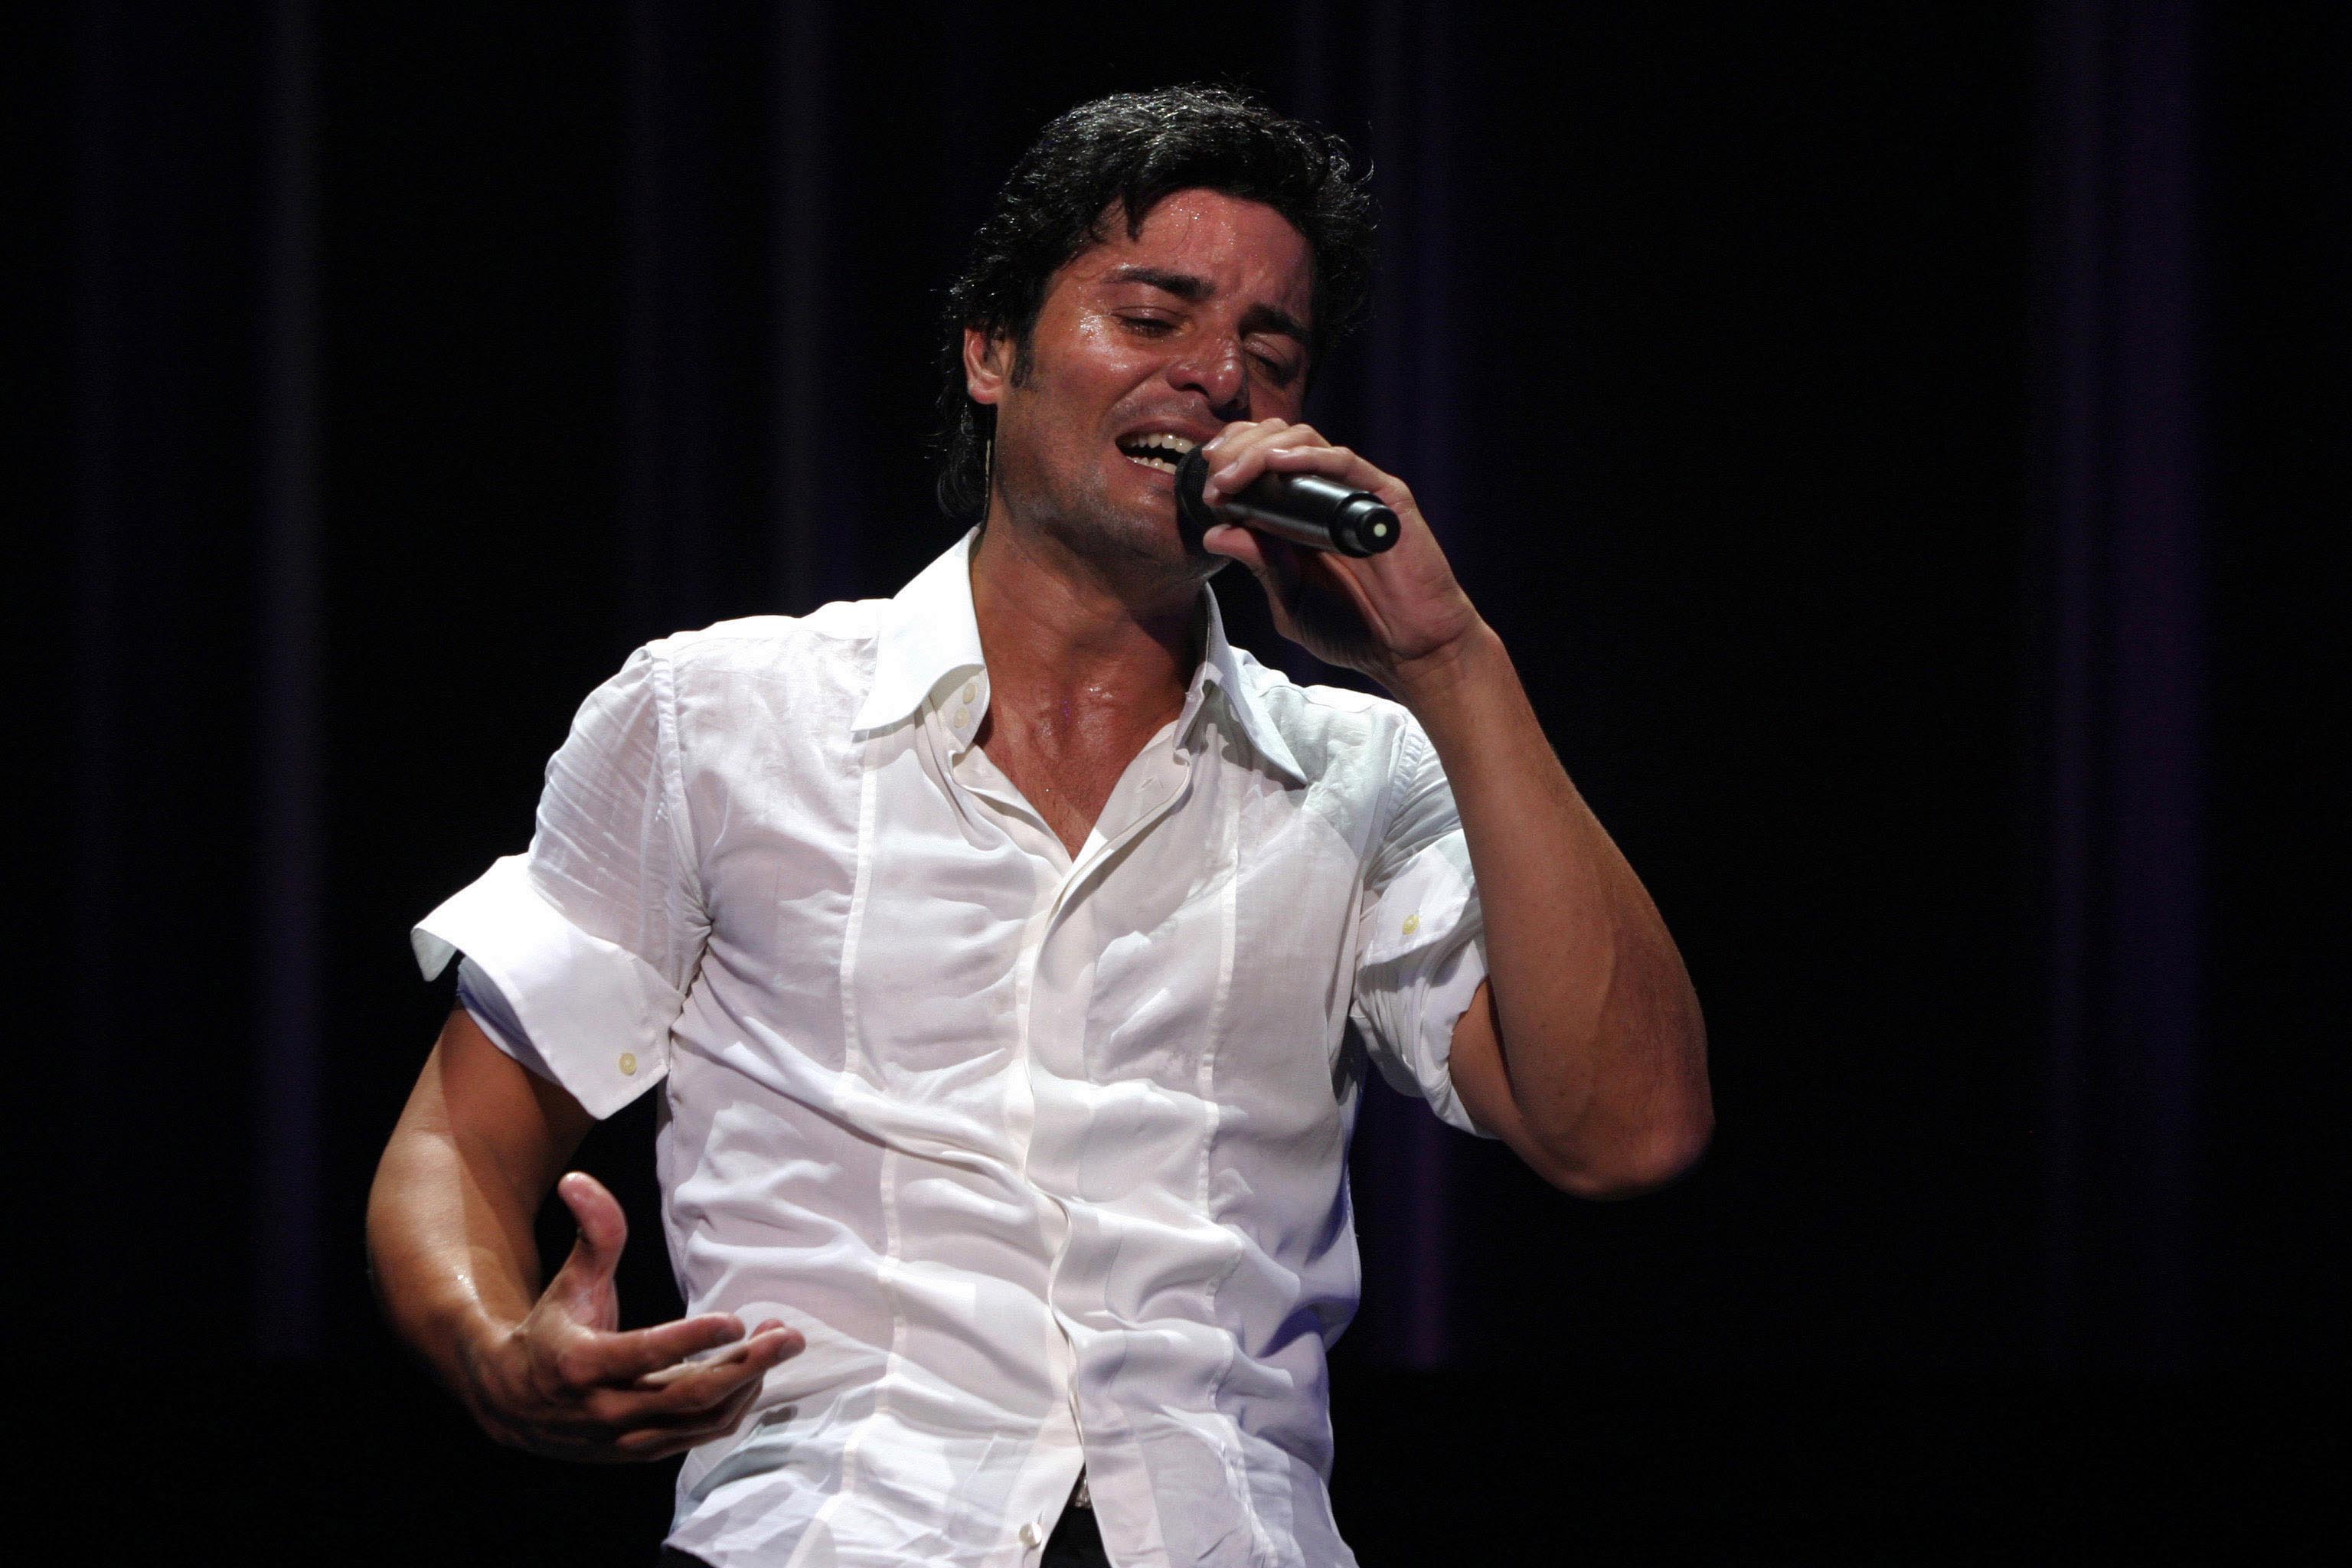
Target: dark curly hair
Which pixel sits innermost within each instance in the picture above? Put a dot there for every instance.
(1127, 153)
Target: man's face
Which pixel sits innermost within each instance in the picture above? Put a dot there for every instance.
(1144, 347)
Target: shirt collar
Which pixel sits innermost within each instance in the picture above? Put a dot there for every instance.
(1223, 665)
(930, 635)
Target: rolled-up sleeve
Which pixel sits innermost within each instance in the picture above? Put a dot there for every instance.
(1420, 941)
(592, 936)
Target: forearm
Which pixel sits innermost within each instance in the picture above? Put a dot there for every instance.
(451, 1265)
(450, 1239)
(1600, 1035)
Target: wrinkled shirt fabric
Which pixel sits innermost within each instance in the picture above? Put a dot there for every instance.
(1044, 1154)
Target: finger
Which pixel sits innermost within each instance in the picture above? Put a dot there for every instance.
(709, 1395)
(703, 1381)
(1237, 543)
(1342, 463)
(1236, 439)
(649, 1445)
(722, 1415)
(650, 1442)
(1273, 561)
(652, 1434)
(624, 1358)
(1234, 543)
(1236, 435)
(1234, 460)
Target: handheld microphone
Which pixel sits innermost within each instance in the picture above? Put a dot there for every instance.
(1304, 509)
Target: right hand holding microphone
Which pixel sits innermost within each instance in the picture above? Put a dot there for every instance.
(566, 1382)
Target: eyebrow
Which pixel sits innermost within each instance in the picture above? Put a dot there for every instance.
(1189, 286)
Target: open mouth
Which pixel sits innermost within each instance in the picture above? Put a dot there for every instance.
(1158, 450)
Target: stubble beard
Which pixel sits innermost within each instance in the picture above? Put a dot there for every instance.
(1083, 519)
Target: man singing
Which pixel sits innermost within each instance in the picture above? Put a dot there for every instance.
(994, 948)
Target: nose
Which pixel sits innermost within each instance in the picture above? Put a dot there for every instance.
(1214, 368)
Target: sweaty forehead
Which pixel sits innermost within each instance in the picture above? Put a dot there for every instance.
(1238, 249)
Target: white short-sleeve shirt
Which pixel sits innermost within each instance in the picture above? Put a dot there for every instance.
(1044, 1155)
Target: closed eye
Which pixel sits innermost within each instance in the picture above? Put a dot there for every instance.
(1281, 369)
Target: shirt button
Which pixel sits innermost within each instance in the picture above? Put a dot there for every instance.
(1412, 924)
(1030, 1534)
(628, 1064)
(971, 689)
(963, 716)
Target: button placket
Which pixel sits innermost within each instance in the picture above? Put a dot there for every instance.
(1161, 802)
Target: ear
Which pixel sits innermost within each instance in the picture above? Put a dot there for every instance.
(985, 366)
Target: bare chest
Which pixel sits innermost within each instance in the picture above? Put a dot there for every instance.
(1067, 777)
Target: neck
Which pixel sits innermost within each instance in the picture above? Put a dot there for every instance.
(1060, 627)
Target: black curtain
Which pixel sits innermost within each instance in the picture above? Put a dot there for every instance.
(1901, 449)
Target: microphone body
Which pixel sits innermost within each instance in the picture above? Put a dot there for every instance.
(1304, 509)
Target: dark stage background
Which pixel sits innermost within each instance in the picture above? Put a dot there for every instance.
(1903, 446)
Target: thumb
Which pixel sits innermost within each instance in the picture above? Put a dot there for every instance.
(1234, 543)
(604, 1231)
(1273, 561)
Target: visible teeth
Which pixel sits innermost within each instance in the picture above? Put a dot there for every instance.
(1145, 450)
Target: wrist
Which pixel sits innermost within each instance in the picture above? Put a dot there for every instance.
(1430, 681)
(467, 1344)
